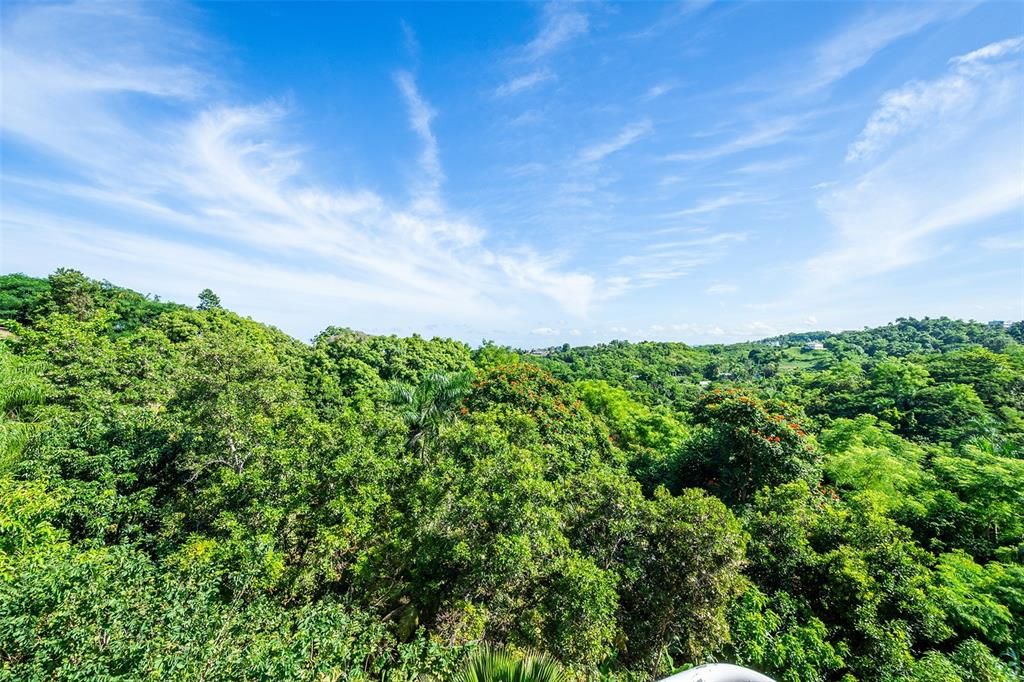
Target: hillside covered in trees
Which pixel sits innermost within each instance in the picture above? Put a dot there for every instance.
(189, 494)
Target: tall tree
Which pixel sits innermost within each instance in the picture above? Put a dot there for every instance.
(208, 300)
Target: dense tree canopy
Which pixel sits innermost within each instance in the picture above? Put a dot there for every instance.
(189, 494)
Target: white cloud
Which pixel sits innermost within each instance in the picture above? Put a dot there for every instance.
(669, 180)
(764, 134)
(629, 135)
(409, 40)
(677, 12)
(952, 150)
(562, 22)
(991, 51)
(421, 114)
(718, 289)
(714, 204)
(525, 169)
(574, 291)
(1004, 243)
(855, 45)
(210, 188)
(768, 167)
(659, 89)
(884, 218)
(61, 64)
(660, 262)
(934, 102)
(545, 331)
(524, 82)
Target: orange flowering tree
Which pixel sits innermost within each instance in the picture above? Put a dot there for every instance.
(744, 444)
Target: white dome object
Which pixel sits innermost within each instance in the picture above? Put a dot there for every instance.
(718, 672)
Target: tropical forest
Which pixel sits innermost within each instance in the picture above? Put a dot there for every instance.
(189, 494)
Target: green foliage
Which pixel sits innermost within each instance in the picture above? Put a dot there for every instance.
(683, 568)
(500, 665)
(651, 436)
(73, 293)
(745, 444)
(976, 662)
(950, 413)
(395, 359)
(19, 392)
(27, 299)
(187, 494)
(21, 296)
(114, 614)
(986, 602)
(908, 336)
(657, 373)
(982, 499)
(427, 405)
(853, 568)
(864, 454)
(781, 637)
(491, 355)
(208, 300)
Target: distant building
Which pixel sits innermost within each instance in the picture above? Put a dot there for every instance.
(814, 345)
(999, 324)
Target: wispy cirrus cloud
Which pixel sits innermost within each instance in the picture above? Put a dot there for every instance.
(135, 149)
(421, 114)
(662, 261)
(1004, 243)
(627, 136)
(819, 67)
(61, 66)
(946, 156)
(990, 52)
(722, 288)
(763, 134)
(713, 204)
(659, 89)
(561, 23)
(525, 82)
(675, 14)
(770, 166)
(204, 182)
(933, 102)
(857, 43)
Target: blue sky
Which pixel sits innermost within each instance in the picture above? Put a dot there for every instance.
(529, 173)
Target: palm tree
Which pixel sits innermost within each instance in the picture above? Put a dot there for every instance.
(990, 447)
(19, 389)
(430, 403)
(489, 664)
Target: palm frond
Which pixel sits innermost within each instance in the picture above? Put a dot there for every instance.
(498, 664)
(20, 388)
